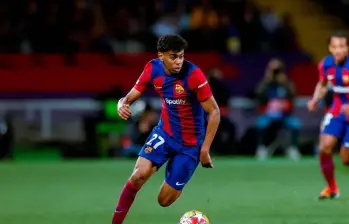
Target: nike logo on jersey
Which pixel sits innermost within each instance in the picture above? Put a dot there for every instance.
(179, 184)
(157, 87)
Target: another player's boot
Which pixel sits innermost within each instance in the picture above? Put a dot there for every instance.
(328, 194)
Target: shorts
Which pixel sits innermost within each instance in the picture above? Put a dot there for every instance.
(337, 127)
(182, 160)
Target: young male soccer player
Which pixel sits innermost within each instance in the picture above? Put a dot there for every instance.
(333, 69)
(184, 134)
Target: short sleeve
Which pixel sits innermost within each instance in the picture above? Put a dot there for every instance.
(199, 85)
(322, 74)
(144, 78)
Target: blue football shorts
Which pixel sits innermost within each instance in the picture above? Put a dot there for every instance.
(182, 160)
(337, 127)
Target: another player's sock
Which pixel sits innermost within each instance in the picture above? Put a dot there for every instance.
(126, 199)
(327, 168)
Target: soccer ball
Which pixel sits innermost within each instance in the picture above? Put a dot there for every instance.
(194, 217)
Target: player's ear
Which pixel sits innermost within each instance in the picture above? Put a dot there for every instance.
(161, 56)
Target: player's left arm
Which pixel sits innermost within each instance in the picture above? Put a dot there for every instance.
(211, 107)
(199, 85)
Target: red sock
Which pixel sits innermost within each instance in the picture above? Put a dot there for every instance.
(126, 199)
(327, 168)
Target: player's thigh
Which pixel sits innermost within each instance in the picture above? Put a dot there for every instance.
(332, 128)
(156, 149)
(180, 169)
(344, 151)
(152, 156)
(142, 171)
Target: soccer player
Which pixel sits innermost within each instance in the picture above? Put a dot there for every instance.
(189, 121)
(333, 69)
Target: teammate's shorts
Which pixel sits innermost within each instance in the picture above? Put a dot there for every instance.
(182, 160)
(337, 127)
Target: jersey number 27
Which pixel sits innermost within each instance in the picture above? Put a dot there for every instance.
(160, 141)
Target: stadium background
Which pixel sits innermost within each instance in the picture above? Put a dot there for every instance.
(63, 65)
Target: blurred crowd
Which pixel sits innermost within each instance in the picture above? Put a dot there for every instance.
(58, 26)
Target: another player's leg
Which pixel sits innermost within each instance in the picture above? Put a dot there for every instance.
(333, 128)
(327, 143)
(179, 170)
(142, 172)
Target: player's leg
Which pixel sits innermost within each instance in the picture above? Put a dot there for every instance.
(345, 155)
(179, 170)
(344, 151)
(332, 129)
(141, 173)
(151, 157)
(293, 124)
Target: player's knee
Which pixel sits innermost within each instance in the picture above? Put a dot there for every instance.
(165, 201)
(140, 176)
(325, 147)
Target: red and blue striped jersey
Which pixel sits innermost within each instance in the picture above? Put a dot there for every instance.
(182, 115)
(337, 75)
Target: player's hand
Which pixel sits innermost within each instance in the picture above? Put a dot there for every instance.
(124, 110)
(205, 159)
(312, 105)
(345, 109)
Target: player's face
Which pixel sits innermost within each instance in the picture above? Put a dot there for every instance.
(173, 61)
(339, 48)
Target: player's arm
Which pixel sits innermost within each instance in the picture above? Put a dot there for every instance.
(135, 93)
(199, 85)
(321, 89)
(211, 107)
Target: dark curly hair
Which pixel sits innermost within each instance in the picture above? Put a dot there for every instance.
(340, 34)
(171, 42)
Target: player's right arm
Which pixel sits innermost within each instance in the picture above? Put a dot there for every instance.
(321, 89)
(135, 93)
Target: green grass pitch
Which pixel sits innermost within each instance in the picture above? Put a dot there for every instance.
(236, 191)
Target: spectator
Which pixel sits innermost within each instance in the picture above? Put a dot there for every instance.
(276, 94)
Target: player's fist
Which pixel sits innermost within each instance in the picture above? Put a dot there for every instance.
(312, 105)
(205, 159)
(345, 109)
(124, 110)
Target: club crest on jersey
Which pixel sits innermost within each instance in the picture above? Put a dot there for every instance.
(179, 89)
(148, 149)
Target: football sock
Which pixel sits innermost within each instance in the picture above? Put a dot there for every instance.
(327, 168)
(127, 196)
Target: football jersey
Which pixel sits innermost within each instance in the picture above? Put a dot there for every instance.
(338, 78)
(182, 115)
